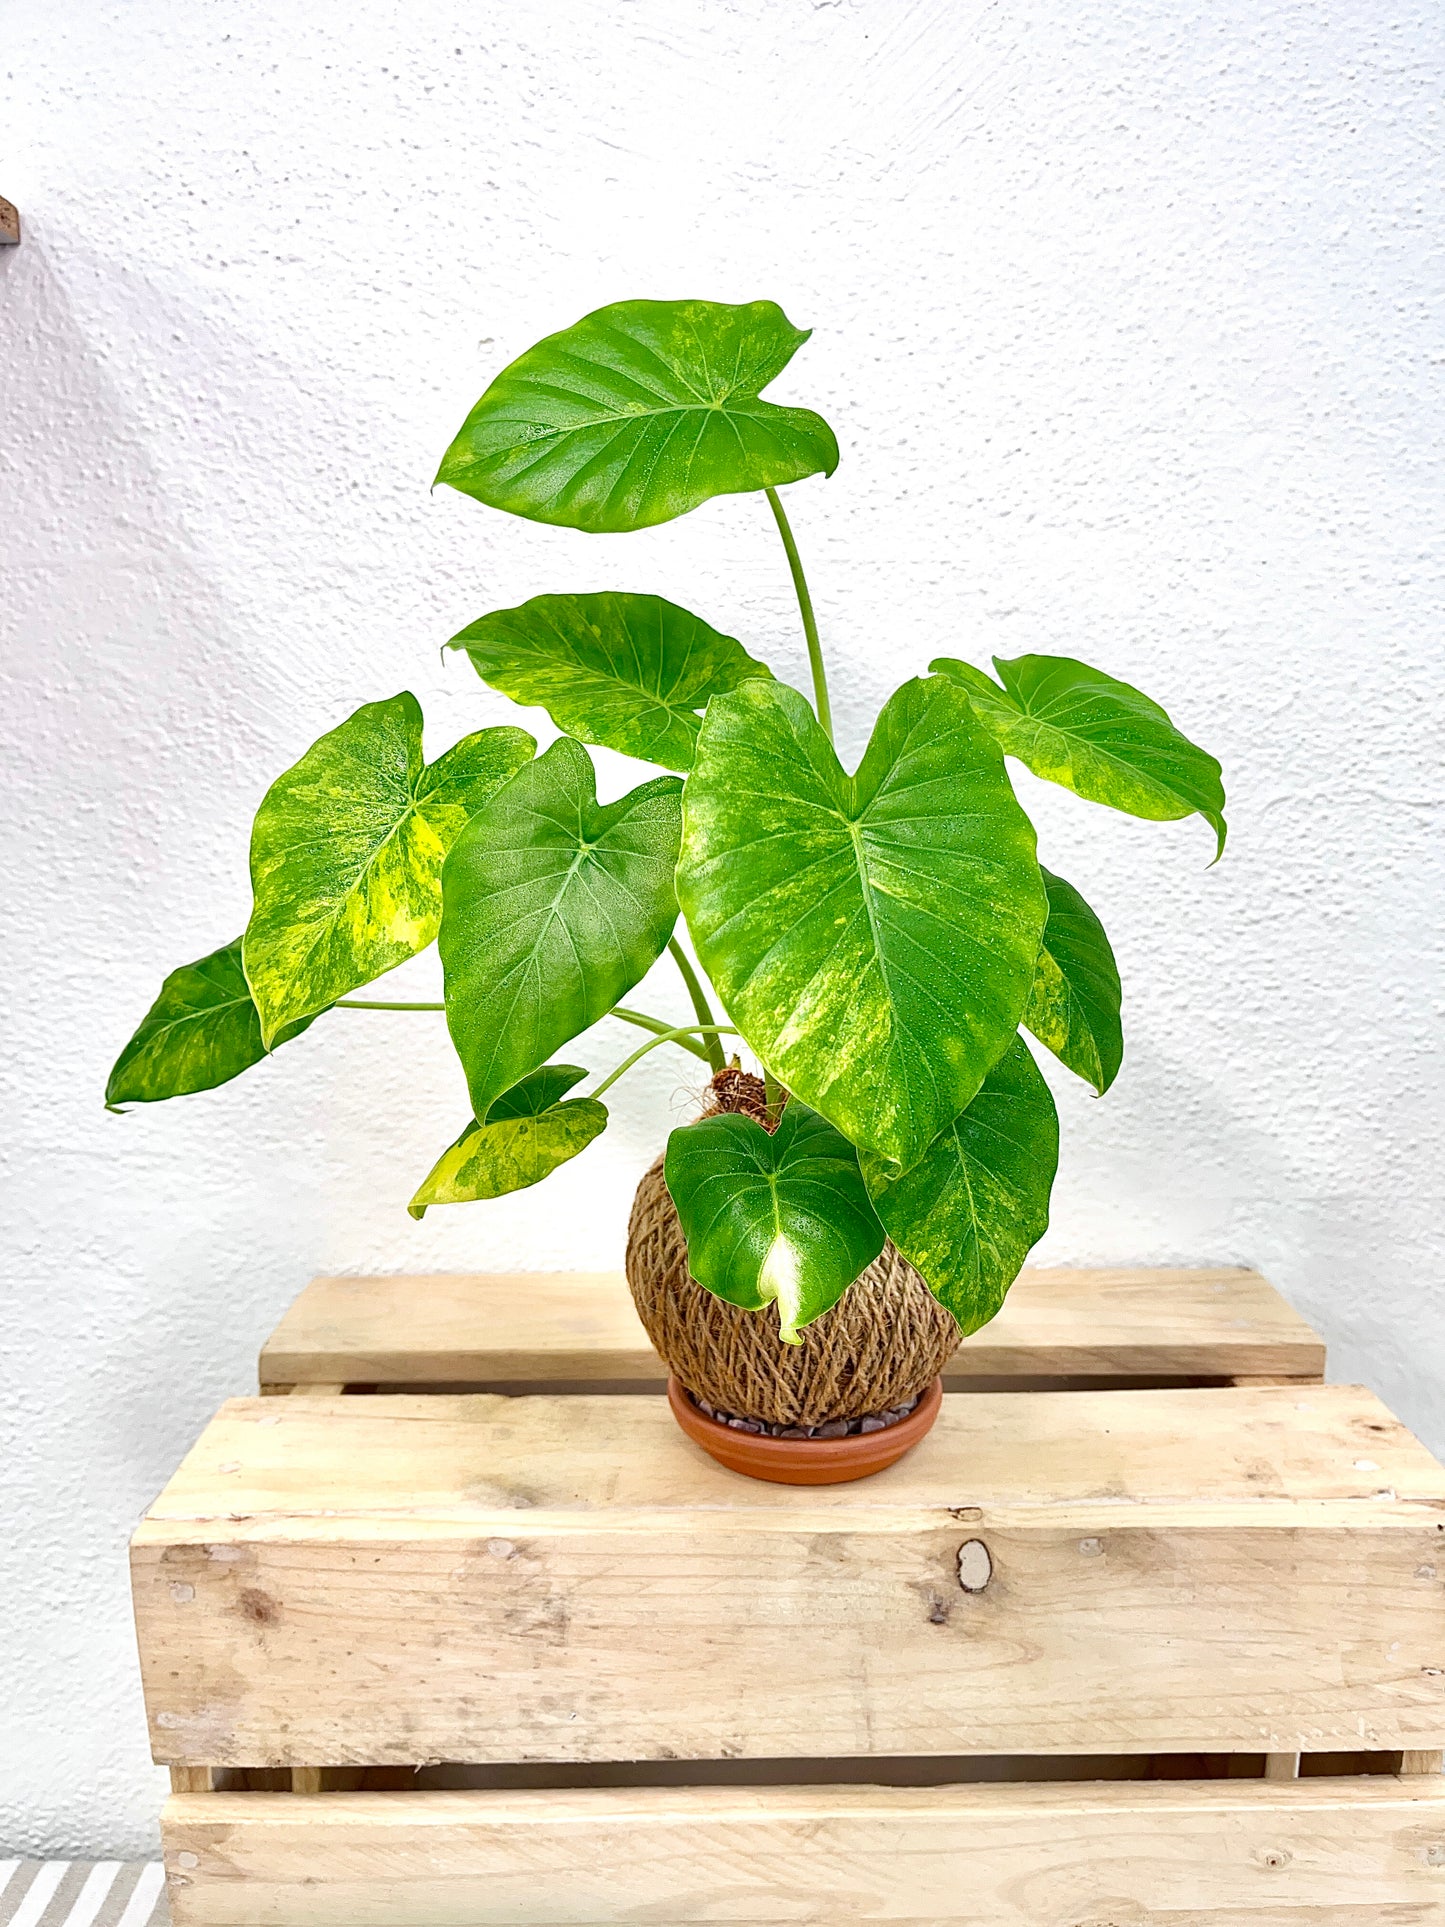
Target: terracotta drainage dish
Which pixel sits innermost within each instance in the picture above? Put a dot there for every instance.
(804, 1461)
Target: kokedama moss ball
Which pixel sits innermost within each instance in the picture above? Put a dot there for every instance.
(880, 1345)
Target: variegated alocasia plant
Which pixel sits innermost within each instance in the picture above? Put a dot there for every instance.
(878, 939)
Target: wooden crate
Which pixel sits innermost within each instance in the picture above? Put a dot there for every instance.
(602, 1680)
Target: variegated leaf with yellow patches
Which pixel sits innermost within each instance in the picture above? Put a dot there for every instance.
(1073, 1007)
(528, 1132)
(968, 1213)
(347, 851)
(873, 936)
(201, 1031)
(630, 671)
(637, 413)
(1099, 737)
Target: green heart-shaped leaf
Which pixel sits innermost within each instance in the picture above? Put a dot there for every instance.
(1073, 1007)
(1103, 739)
(529, 1131)
(968, 1213)
(347, 851)
(201, 1031)
(636, 414)
(630, 671)
(872, 936)
(555, 906)
(782, 1218)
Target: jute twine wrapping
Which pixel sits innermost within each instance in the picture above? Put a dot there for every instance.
(880, 1345)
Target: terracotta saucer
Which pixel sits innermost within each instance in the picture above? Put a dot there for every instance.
(804, 1461)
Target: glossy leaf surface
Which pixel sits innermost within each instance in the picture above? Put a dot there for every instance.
(529, 1131)
(629, 671)
(555, 906)
(873, 936)
(968, 1213)
(201, 1031)
(779, 1219)
(347, 851)
(1073, 1007)
(637, 413)
(1103, 739)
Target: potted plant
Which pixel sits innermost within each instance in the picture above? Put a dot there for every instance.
(811, 1248)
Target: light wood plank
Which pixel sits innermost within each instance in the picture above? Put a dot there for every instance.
(265, 1461)
(191, 1779)
(571, 1327)
(1430, 1761)
(1322, 1853)
(415, 1578)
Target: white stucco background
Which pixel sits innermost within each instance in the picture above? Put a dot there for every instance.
(1128, 318)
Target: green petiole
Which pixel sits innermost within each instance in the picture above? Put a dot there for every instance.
(667, 1037)
(805, 609)
(363, 1003)
(666, 1033)
(663, 1029)
(700, 1004)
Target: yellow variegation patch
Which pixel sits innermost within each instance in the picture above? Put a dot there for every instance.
(528, 1132)
(637, 413)
(968, 1213)
(347, 851)
(201, 1031)
(872, 936)
(1073, 1007)
(630, 671)
(1095, 735)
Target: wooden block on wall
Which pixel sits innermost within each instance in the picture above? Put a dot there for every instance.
(9, 223)
(385, 1580)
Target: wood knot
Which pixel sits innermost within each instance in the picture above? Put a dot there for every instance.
(259, 1607)
(975, 1566)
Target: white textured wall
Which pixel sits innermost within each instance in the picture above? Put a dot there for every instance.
(1128, 318)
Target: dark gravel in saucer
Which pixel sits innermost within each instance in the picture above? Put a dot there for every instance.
(834, 1428)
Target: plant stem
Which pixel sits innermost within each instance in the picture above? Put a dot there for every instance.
(700, 1004)
(805, 609)
(661, 1026)
(667, 1037)
(638, 1017)
(360, 1003)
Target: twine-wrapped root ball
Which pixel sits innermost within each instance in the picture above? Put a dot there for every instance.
(885, 1340)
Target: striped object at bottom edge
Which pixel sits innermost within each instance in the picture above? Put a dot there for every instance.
(82, 1893)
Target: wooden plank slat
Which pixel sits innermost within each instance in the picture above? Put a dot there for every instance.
(1322, 1853)
(375, 1581)
(580, 1327)
(191, 1779)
